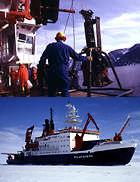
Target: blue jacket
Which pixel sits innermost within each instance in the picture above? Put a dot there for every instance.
(58, 55)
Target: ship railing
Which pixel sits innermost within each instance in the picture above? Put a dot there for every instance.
(65, 130)
(110, 142)
(131, 141)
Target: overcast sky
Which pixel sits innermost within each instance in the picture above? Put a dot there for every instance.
(120, 24)
(17, 114)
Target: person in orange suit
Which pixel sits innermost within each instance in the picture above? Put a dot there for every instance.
(23, 77)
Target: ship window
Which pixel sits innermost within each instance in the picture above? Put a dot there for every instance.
(29, 39)
(22, 36)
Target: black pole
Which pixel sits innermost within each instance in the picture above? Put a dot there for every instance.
(90, 75)
(113, 69)
(51, 120)
(90, 42)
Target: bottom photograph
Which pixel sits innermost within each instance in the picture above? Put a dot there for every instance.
(55, 137)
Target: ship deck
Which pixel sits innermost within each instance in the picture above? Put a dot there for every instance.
(95, 92)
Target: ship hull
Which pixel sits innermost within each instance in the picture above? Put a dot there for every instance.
(119, 156)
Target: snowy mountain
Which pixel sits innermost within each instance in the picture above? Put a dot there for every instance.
(126, 56)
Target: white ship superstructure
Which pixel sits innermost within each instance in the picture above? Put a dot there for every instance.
(60, 142)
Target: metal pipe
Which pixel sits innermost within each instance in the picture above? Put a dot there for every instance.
(4, 27)
(61, 10)
(67, 10)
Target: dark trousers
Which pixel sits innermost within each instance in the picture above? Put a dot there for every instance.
(58, 83)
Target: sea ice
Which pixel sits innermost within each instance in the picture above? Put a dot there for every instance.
(30, 173)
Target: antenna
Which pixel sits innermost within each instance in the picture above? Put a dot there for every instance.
(72, 116)
(51, 114)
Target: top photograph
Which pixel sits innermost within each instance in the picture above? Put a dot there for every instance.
(69, 48)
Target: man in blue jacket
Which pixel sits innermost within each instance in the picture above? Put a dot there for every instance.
(58, 55)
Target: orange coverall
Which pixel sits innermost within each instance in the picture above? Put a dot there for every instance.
(23, 76)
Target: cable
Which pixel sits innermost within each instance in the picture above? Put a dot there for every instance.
(73, 24)
(68, 17)
(66, 22)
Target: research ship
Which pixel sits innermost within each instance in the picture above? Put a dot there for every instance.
(72, 145)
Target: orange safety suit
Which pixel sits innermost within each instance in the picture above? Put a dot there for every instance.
(23, 76)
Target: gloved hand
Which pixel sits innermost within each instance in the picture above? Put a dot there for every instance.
(89, 58)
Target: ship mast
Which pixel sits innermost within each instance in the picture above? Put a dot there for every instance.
(51, 120)
(72, 117)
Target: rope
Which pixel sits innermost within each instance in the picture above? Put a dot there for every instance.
(68, 17)
(66, 22)
(73, 24)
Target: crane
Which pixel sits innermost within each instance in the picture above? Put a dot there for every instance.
(118, 136)
(90, 118)
(79, 139)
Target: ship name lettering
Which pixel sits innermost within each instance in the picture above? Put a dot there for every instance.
(82, 156)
